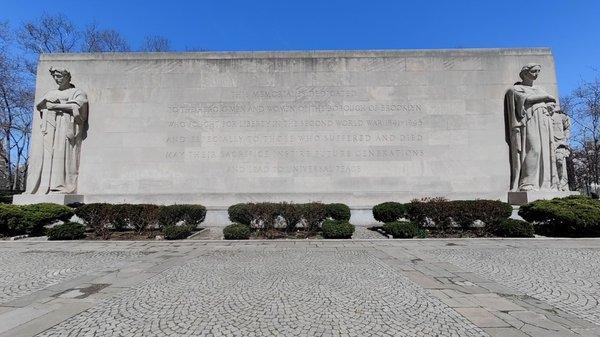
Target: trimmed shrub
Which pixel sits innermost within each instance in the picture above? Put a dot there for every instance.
(177, 232)
(11, 220)
(240, 213)
(333, 229)
(37, 216)
(573, 216)
(120, 215)
(444, 214)
(264, 214)
(339, 212)
(512, 228)
(291, 213)
(401, 229)
(314, 214)
(97, 216)
(237, 231)
(191, 215)
(389, 211)
(143, 216)
(66, 231)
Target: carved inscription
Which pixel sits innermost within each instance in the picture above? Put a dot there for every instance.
(302, 131)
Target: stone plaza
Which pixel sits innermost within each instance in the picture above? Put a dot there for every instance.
(453, 287)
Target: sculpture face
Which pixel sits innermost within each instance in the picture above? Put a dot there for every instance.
(61, 79)
(533, 73)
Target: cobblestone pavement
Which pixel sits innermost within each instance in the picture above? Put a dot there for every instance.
(363, 233)
(267, 293)
(209, 233)
(566, 278)
(470, 287)
(24, 272)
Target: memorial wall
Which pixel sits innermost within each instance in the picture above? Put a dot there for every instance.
(358, 127)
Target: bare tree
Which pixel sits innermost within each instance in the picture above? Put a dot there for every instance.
(583, 106)
(103, 40)
(155, 44)
(15, 112)
(48, 34)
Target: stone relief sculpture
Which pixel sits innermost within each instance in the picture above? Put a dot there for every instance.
(63, 112)
(562, 133)
(530, 134)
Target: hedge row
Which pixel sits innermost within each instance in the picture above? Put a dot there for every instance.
(102, 217)
(442, 213)
(573, 216)
(266, 214)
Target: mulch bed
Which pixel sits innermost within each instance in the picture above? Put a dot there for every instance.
(281, 234)
(449, 233)
(148, 235)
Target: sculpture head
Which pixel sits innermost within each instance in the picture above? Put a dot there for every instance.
(61, 76)
(530, 72)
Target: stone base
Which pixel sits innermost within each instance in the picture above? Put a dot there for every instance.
(524, 197)
(61, 199)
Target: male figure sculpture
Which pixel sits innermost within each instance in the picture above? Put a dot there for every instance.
(562, 132)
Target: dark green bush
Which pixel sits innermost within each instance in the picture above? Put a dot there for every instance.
(443, 213)
(11, 220)
(389, 211)
(512, 228)
(37, 216)
(333, 229)
(66, 231)
(31, 219)
(401, 229)
(177, 232)
(240, 213)
(191, 215)
(340, 212)
(237, 231)
(314, 214)
(573, 216)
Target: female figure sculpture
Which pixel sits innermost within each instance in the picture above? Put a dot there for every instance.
(529, 133)
(63, 121)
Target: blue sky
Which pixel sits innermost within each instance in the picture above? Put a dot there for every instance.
(570, 27)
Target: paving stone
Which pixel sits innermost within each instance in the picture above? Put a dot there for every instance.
(482, 318)
(505, 332)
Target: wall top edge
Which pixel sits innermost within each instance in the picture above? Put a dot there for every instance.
(542, 51)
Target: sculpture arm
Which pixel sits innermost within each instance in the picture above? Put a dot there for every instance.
(532, 99)
(70, 108)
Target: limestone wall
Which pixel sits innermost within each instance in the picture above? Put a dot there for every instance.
(358, 127)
